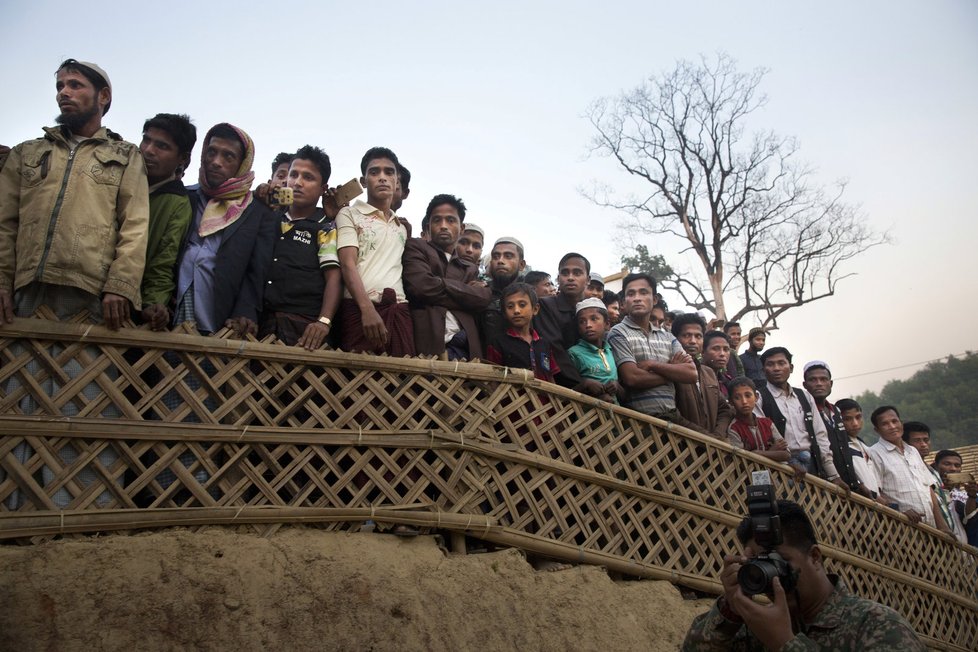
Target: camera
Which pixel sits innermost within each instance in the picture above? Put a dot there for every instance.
(756, 575)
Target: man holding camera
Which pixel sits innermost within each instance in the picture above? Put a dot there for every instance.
(809, 609)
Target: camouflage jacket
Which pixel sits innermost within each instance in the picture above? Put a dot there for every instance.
(846, 622)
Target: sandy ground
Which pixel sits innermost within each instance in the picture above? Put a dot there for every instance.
(304, 589)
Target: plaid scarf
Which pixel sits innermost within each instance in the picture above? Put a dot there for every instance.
(228, 201)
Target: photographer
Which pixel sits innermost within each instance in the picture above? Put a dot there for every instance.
(818, 613)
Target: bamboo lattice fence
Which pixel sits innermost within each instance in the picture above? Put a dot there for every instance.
(108, 431)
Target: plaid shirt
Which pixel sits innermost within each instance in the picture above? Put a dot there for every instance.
(904, 477)
(629, 343)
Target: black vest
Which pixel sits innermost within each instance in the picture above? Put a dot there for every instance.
(772, 412)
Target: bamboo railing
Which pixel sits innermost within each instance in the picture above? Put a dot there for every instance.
(114, 431)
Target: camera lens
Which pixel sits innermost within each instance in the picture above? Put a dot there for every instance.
(755, 576)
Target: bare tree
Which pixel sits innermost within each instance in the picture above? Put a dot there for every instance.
(768, 237)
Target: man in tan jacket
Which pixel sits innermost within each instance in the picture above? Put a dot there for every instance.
(74, 210)
(74, 213)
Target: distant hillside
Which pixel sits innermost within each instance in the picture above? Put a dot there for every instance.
(944, 395)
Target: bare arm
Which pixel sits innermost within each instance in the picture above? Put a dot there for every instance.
(635, 378)
(680, 369)
(315, 333)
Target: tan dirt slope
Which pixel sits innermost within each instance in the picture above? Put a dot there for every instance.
(303, 589)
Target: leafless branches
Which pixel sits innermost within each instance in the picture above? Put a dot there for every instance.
(767, 238)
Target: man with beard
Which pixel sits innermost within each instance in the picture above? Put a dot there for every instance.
(442, 288)
(74, 209)
(506, 265)
(167, 142)
(227, 249)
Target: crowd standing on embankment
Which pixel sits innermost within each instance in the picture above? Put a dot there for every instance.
(90, 221)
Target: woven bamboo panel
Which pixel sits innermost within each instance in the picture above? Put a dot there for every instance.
(119, 431)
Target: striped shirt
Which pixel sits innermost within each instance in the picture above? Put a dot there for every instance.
(629, 343)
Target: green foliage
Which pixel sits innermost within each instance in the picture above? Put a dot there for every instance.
(642, 261)
(944, 395)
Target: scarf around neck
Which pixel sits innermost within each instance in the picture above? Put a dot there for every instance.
(228, 201)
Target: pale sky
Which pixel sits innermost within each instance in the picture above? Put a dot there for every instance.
(487, 101)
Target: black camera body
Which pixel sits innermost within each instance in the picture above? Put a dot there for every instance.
(756, 575)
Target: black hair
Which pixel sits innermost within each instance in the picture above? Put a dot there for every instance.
(848, 404)
(318, 157)
(671, 315)
(946, 453)
(441, 200)
(776, 351)
(795, 527)
(609, 297)
(638, 276)
(227, 132)
(729, 325)
(178, 127)
(685, 319)
(880, 410)
(740, 381)
(709, 336)
(283, 158)
(913, 426)
(375, 153)
(97, 80)
(534, 276)
(404, 176)
(517, 288)
(566, 257)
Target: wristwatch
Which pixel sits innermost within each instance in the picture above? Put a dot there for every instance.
(326, 320)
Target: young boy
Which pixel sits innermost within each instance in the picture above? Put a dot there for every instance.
(521, 347)
(541, 282)
(865, 467)
(469, 246)
(613, 305)
(592, 354)
(749, 431)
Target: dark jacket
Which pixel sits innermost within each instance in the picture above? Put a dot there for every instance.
(557, 323)
(242, 260)
(839, 440)
(434, 285)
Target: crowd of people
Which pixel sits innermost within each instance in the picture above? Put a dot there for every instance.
(90, 221)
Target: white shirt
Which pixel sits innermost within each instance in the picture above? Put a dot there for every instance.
(864, 465)
(904, 477)
(795, 432)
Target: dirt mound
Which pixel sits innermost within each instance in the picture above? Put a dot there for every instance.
(308, 589)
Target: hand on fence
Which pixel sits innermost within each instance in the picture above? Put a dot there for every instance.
(115, 310)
